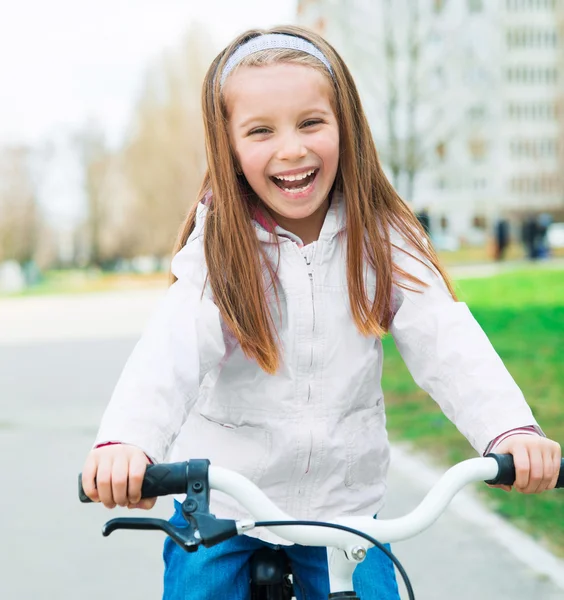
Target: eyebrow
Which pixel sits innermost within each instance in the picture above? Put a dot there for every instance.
(262, 119)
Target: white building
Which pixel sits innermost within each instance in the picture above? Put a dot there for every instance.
(485, 86)
(531, 130)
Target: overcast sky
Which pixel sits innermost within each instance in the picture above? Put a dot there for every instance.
(62, 61)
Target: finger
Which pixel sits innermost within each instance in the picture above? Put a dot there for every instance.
(145, 504)
(137, 468)
(540, 463)
(501, 486)
(104, 480)
(556, 459)
(522, 467)
(536, 471)
(89, 477)
(120, 469)
(548, 468)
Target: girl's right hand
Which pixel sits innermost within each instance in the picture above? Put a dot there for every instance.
(113, 475)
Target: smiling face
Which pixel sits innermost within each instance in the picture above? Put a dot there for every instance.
(285, 135)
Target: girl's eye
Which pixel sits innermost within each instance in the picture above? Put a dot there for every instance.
(259, 130)
(311, 122)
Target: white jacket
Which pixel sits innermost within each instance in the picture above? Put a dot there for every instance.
(313, 436)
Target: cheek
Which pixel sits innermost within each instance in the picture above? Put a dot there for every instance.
(329, 150)
(253, 159)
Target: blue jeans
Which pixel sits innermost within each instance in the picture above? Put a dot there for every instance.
(223, 571)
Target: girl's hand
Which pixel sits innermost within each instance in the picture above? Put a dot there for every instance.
(537, 462)
(114, 475)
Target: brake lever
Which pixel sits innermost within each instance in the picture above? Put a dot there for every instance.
(202, 527)
(186, 537)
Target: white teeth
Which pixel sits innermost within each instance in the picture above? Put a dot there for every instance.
(298, 190)
(294, 177)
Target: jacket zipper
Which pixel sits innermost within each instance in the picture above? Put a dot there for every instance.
(308, 259)
(312, 306)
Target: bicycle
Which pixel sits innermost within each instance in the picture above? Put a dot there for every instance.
(344, 538)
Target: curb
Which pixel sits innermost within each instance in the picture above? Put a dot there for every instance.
(466, 506)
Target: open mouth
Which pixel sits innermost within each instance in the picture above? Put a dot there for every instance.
(294, 184)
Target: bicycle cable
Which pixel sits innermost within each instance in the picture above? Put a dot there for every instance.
(361, 534)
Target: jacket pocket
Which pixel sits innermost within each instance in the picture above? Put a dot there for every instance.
(245, 449)
(366, 442)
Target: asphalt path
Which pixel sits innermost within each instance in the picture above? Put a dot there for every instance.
(58, 366)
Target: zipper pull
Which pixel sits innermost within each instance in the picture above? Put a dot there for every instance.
(308, 255)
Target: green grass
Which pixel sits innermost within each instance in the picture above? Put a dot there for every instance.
(523, 315)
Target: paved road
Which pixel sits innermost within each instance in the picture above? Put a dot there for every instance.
(57, 369)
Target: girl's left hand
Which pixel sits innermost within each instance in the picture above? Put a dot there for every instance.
(537, 462)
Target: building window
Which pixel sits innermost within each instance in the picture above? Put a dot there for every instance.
(477, 148)
(547, 147)
(530, 4)
(537, 111)
(477, 112)
(475, 6)
(523, 38)
(440, 149)
(321, 25)
(439, 5)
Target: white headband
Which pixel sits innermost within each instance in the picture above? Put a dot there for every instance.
(272, 40)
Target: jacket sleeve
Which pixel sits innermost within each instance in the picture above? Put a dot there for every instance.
(161, 379)
(451, 358)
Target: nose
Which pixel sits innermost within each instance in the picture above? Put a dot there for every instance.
(291, 147)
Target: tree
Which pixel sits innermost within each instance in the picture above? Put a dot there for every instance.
(164, 156)
(412, 73)
(96, 160)
(19, 214)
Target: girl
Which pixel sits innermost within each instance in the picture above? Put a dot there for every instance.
(265, 355)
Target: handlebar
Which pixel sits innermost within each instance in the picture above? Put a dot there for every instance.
(345, 537)
(172, 478)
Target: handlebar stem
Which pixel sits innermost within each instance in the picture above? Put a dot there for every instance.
(341, 569)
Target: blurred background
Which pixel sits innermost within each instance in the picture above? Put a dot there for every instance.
(101, 157)
(101, 149)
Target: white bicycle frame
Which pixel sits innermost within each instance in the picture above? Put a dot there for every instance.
(346, 550)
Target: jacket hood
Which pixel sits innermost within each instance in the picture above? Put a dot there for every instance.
(334, 223)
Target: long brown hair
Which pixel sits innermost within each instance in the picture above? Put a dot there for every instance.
(234, 256)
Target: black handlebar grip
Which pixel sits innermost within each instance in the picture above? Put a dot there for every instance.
(159, 480)
(506, 474)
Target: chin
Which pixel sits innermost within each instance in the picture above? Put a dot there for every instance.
(299, 213)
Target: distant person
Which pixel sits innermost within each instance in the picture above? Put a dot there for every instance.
(425, 219)
(501, 238)
(529, 236)
(542, 249)
(265, 355)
